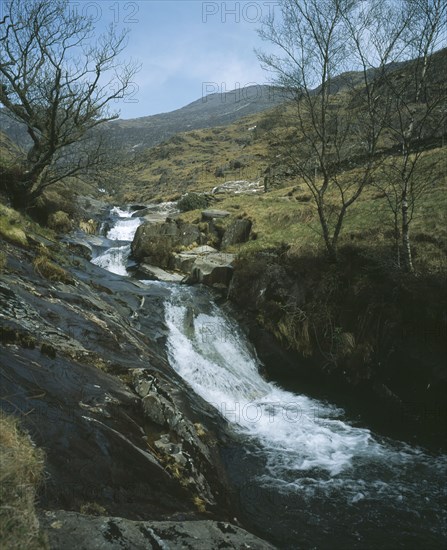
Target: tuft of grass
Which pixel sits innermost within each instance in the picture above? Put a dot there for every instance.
(3, 261)
(12, 226)
(93, 509)
(51, 271)
(21, 470)
(60, 222)
(199, 503)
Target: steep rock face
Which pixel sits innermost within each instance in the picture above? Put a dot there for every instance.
(84, 367)
(353, 333)
(73, 531)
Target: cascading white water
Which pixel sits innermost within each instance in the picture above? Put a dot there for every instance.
(124, 229)
(115, 258)
(212, 356)
(305, 445)
(313, 471)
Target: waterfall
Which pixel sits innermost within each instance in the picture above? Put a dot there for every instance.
(115, 258)
(306, 475)
(304, 448)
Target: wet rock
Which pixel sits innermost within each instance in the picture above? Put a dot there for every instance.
(182, 448)
(237, 232)
(67, 355)
(184, 261)
(88, 207)
(157, 274)
(73, 531)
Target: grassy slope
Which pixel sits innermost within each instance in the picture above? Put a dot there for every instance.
(248, 148)
(286, 213)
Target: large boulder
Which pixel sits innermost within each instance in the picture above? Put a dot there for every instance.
(213, 270)
(237, 232)
(156, 243)
(184, 261)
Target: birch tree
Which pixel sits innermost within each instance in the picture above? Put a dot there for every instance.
(417, 101)
(337, 59)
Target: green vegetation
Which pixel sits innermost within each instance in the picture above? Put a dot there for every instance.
(3, 260)
(284, 215)
(21, 470)
(192, 201)
(60, 222)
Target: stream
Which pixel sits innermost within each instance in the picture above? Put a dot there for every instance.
(306, 476)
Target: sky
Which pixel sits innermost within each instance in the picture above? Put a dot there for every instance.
(187, 48)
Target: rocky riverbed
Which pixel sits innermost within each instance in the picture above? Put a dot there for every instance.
(158, 428)
(84, 366)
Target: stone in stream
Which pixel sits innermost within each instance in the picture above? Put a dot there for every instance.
(158, 274)
(184, 261)
(155, 243)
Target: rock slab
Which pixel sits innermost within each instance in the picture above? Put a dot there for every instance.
(73, 531)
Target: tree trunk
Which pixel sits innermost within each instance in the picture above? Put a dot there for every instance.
(331, 247)
(22, 194)
(408, 261)
(397, 239)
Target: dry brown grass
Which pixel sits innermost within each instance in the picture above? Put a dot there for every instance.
(51, 271)
(21, 470)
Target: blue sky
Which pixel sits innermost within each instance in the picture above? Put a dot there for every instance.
(187, 47)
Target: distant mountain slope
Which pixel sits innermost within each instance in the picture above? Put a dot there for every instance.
(218, 109)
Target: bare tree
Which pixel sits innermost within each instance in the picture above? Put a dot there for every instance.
(313, 41)
(339, 121)
(60, 83)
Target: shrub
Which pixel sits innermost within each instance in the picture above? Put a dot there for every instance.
(20, 473)
(52, 201)
(192, 201)
(60, 222)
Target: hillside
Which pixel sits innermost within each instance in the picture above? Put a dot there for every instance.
(218, 109)
(256, 149)
(215, 109)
